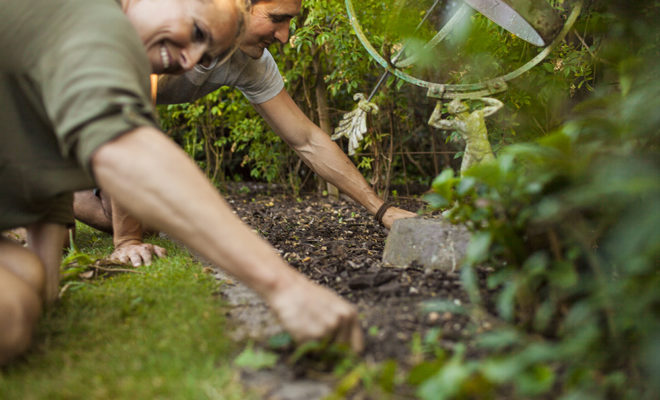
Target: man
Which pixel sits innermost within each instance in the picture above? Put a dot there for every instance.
(252, 70)
(75, 112)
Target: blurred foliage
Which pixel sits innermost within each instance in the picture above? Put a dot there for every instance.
(570, 223)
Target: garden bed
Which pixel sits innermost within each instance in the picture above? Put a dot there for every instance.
(337, 244)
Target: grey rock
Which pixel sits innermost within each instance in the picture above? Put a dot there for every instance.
(254, 320)
(302, 390)
(430, 241)
(281, 384)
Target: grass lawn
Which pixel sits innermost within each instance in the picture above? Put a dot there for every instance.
(153, 335)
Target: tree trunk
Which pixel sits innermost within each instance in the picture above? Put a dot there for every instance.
(321, 94)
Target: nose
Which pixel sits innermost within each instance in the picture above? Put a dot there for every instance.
(191, 55)
(282, 33)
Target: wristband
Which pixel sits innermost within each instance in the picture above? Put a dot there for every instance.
(381, 211)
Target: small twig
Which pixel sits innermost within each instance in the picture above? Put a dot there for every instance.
(584, 43)
(555, 246)
(102, 265)
(415, 163)
(98, 267)
(586, 46)
(63, 290)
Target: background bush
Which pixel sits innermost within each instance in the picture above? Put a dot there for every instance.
(324, 65)
(570, 224)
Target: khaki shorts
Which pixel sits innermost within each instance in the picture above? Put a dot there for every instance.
(57, 210)
(61, 211)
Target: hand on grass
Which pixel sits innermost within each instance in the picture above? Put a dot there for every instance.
(136, 253)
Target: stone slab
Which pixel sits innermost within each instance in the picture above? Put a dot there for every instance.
(430, 241)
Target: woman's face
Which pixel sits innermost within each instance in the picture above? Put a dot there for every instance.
(178, 34)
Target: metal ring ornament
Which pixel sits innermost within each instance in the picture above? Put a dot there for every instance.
(470, 90)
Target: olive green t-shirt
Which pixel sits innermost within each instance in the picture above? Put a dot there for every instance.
(73, 75)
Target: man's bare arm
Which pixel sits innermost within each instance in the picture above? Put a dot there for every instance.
(323, 155)
(170, 182)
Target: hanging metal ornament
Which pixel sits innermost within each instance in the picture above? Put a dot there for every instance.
(533, 21)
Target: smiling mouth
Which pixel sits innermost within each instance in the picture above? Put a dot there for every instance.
(165, 57)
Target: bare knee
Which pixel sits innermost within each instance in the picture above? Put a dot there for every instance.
(20, 307)
(24, 264)
(93, 210)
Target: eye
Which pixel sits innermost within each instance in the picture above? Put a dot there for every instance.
(279, 18)
(199, 35)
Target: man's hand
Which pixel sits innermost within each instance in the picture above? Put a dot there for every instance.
(393, 213)
(136, 253)
(311, 312)
(127, 238)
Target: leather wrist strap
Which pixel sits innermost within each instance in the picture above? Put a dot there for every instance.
(381, 211)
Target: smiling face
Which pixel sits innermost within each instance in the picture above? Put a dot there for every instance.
(178, 34)
(269, 22)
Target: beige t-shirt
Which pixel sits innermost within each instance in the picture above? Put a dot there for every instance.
(258, 79)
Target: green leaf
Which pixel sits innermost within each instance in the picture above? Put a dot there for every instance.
(506, 301)
(442, 306)
(544, 314)
(280, 340)
(81, 259)
(444, 181)
(470, 284)
(387, 376)
(535, 381)
(499, 339)
(255, 359)
(348, 383)
(436, 201)
(536, 263)
(312, 346)
(465, 185)
(424, 371)
(501, 370)
(563, 274)
(477, 250)
(448, 380)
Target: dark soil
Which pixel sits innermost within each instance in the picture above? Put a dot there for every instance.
(338, 244)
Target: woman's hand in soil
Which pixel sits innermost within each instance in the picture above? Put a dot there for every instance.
(394, 213)
(311, 312)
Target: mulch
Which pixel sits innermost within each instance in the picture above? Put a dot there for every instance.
(336, 243)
